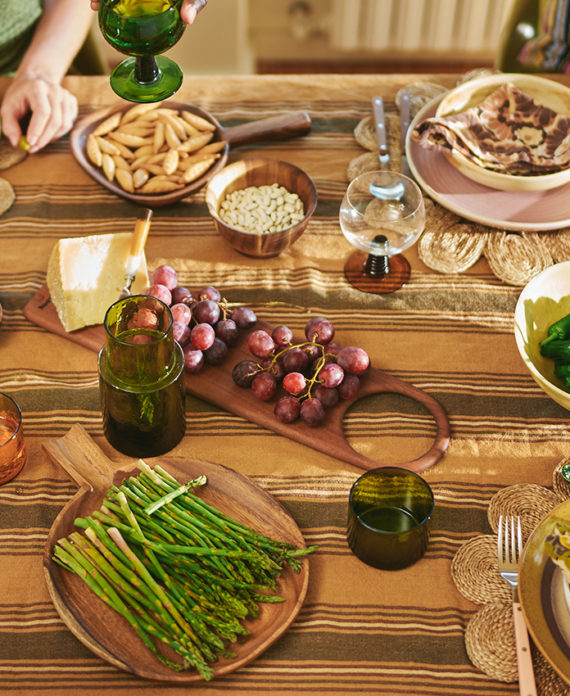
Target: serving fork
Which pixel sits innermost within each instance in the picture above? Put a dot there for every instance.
(509, 550)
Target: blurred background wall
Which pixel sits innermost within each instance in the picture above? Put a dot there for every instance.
(296, 36)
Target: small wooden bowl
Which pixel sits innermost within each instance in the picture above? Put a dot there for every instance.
(260, 172)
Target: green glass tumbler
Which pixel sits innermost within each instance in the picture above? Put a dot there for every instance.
(389, 510)
(141, 378)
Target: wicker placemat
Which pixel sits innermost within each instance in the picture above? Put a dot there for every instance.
(559, 483)
(527, 500)
(475, 571)
(489, 634)
(490, 642)
(517, 257)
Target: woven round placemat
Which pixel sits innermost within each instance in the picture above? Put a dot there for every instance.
(515, 257)
(420, 93)
(366, 162)
(453, 251)
(559, 483)
(475, 571)
(527, 500)
(558, 244)
(490, 642)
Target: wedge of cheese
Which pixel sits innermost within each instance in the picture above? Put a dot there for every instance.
(85, 277)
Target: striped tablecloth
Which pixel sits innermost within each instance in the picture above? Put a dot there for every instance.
(360, 630)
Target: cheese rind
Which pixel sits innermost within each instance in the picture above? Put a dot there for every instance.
(85, 277)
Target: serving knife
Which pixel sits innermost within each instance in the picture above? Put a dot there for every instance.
(142, 226)
(380, 124)
(405, 109)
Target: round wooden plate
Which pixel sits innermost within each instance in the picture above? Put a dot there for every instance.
(108, 634)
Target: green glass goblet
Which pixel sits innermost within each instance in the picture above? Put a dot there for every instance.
(143, 29)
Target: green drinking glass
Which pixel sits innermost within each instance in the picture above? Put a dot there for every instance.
(141, 378)
(143, 29)
(388, 517)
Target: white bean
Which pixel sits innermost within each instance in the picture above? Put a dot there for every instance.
(261, 209)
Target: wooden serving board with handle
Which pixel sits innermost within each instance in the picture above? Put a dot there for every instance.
(215, 384)
(107, 633)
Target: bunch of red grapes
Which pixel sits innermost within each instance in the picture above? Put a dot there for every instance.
(313, 374)
(205, 325)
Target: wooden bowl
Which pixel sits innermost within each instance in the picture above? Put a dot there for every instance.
(287, 125)
(260, 172)
(544, 91)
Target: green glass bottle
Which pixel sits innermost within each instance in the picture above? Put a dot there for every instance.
(141, 378)
(534, 38)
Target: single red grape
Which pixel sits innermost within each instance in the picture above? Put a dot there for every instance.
(282, 335)
(260, 343)
(295, 360)
(181, 312)
(287, 409)
(181, 332)
(216, 353)
(143, 318)
(244, 372)
(331, 375)
(274, 368)
(161, 292)
(319, 330)
(193, 359)
(202, 336)
(348, 388)
(327, 396)
(294, 382)
(210, 293)
(264, 386)
(165, 275)
(244, 317)
(181, 294)
(353, 359)
(227, 331)
(312, 412)
(206, 312)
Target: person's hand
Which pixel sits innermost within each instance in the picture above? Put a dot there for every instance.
(53, 111)
(188, 11)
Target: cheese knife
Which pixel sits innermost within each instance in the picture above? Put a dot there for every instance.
(380, 125)
(142, 226)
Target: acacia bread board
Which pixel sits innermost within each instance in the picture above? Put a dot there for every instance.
(107, 633)
(215, 385)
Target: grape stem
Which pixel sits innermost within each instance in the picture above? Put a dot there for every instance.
(320, 364)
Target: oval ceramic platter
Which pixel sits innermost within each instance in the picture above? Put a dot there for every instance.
(507, 210)
(543, 596)
(108, 634)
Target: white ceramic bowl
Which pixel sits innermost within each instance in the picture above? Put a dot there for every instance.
(542, 302)
(544, 91)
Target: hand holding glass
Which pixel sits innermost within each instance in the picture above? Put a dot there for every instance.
(143, 29)
(382, 214)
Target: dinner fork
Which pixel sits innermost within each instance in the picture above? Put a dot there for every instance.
(509, 549)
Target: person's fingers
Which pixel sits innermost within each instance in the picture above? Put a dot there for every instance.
(190, 9)
(42, 111)
(10, 123)
(69, 114)
(94, 4)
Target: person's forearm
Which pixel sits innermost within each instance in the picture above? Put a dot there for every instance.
(59, 35)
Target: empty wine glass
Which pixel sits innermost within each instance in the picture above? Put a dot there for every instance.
(142, 29)
(382, 214)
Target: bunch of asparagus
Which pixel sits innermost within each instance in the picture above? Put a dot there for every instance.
(181, 573)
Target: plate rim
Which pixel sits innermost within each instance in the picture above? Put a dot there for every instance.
(468, 214)
(532, 569)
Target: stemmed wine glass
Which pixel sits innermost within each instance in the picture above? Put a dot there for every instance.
(142, 29)
(382, 214)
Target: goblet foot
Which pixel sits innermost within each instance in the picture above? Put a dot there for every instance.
(371, 275)
(150, 86)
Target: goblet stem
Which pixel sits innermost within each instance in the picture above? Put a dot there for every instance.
(146, 70)
(378, 265)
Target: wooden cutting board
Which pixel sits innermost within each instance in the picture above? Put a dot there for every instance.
(215, 384)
